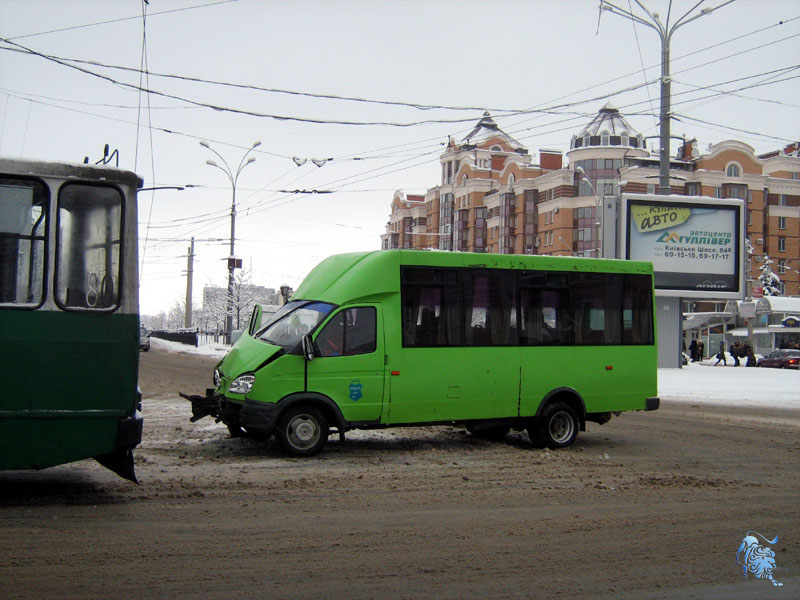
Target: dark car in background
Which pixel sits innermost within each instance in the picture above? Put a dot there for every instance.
(144, 339)
(781, 359)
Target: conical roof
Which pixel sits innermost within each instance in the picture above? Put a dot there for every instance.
(487, 129)
(608, 119)
(608, 128)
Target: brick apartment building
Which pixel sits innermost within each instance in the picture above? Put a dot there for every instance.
(493, 197)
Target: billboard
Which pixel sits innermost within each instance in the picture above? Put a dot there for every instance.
(694, 243)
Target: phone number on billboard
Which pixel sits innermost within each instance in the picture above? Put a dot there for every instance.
(696, 255)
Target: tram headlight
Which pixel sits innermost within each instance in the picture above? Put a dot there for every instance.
(242, 384)
(217, 378)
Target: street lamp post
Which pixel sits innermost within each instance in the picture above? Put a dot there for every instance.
(233, 177)
(665, 32)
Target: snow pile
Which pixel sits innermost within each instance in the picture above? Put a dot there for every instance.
(703, 383)
(219, 350)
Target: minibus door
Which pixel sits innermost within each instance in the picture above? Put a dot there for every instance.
(348, 362)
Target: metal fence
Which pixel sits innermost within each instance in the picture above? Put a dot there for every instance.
(190, 337)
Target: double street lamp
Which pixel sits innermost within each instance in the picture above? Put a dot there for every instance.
(233, 177)
(665, 32)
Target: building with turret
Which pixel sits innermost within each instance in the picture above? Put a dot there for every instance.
(494, 196)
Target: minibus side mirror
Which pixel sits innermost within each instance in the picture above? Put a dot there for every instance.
(308, 347)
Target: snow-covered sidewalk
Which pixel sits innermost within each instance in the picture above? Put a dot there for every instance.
(703, 383)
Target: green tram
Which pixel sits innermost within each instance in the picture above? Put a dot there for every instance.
(400, 337)
(69, 322)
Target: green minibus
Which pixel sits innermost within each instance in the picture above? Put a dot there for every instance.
(487, 341)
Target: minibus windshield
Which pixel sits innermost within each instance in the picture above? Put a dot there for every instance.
(293, 321)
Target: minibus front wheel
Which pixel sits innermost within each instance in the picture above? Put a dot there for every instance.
(302, 431)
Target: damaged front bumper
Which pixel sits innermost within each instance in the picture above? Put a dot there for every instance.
(204, 406)
(256, 418)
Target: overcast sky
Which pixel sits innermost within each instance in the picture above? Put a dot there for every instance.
(505, 56)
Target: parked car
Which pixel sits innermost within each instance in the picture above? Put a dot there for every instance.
(144, 339)
(781, 359)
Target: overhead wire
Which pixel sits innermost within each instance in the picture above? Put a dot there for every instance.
(120, 20)
(426, 107)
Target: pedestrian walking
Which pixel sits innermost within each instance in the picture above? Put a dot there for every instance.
(693, 350)
(736, 351)
(721, 354)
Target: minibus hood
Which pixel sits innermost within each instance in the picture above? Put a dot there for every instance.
(247, 355)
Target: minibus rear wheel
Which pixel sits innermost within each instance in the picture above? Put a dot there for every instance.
(556, 427)
(302, 431)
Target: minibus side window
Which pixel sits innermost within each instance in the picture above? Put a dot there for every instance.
(349, 332)
(491, 307)
(23, 232)
(545, 317)
(433, 311)
(596, 308)
(637, 315)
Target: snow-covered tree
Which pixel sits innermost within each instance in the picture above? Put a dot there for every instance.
(215, 304)
(769, 281)
(176, 315)
(243, 298)
(215, 308)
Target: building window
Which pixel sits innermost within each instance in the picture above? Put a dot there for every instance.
(733, 170)
(749, 218)
(693, 189)
(782, 266)
(781, 244)
(733, 190)
(781, 222)
(783, 200)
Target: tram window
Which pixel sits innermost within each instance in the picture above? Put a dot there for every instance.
(23, 231)
(89, 240)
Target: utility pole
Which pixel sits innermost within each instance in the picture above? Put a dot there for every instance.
(187, 319)
(665, 32)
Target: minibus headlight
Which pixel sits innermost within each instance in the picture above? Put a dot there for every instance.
(242, 384)
(217, 378)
